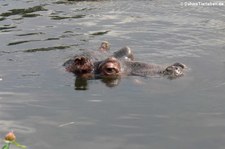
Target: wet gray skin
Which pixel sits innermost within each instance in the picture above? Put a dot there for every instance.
(85, 63)
(112, 67)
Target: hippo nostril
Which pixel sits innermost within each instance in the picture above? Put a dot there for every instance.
(80, 61)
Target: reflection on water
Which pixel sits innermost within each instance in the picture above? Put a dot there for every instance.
(38, 100)
(82, 83)
(111, 82)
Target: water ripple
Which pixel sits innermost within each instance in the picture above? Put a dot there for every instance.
(47, 49)
(23, 11)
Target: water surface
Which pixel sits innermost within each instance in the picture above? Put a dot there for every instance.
(39, 100)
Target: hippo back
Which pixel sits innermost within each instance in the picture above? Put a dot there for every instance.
(142, 69)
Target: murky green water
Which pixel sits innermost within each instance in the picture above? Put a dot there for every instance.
(38, 99)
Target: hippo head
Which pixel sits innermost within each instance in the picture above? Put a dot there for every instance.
(110, 67)
(175, 70)
(79, 65)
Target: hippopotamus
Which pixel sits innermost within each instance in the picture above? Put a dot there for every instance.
(87, 61)
(101, 63)
(112, 67)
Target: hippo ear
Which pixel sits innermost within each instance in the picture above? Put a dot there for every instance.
(169, 68)
(180, 65)
(105, 46)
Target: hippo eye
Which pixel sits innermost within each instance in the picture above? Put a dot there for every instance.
(109, 70)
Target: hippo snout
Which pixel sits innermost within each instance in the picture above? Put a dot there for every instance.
(79, 65)
(80, 60)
